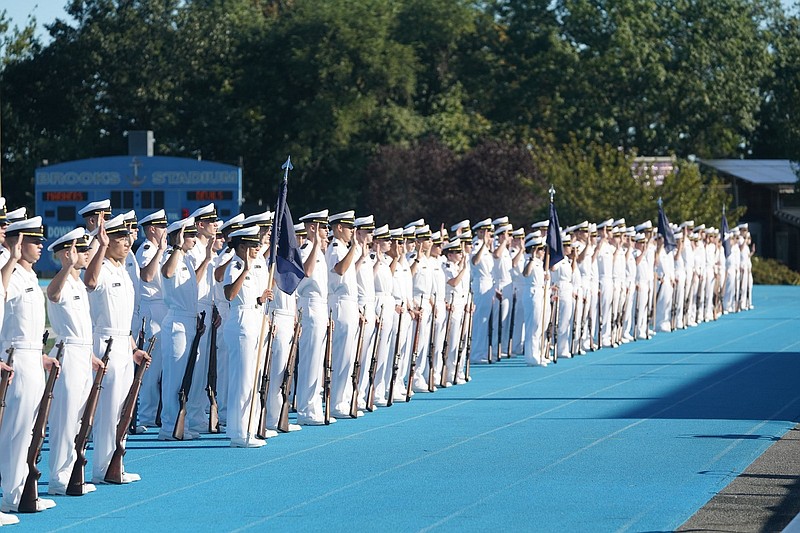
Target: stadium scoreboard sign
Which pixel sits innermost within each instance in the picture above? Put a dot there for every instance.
(145, 184)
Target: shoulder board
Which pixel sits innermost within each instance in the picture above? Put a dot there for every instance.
(305, 244)
(146, 246)
(237, 265)
(372, 255)
(335, 243)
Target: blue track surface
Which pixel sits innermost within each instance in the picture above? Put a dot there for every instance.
(636, 438)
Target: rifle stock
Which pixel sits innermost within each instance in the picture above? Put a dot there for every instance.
(470, 322)
(414, 350)
(30, 491)
(114, 470)
(373, 364)
(447, 319)
(395, 361)
(76, 480)
(511, 324)
(140, 346)
(211, 384)
(328, 370)
(283, 419)
(266, 378)
(4, 382)
(431, 348)
(188, 373)
(462, 340)
(357, 366)
(491, 332)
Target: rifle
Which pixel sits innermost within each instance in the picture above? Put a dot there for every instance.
(140, 346)
(357, 365)
(328, 370)
(491, 332)
(432, 348)
(470, 301)
(186, 384)
(76, 480)
(114, 470)
(395, 361)
(511, 323)
(373, 364)
(554, 329)
(447, 316)
(30, 492)
(211, 384)
(589, 323)
(499, 326)
(414, 350)
(283, 419)
(462, 340)
(261, 430)
(4, 382)
(572, 350)
(599, 319)
(635, 312)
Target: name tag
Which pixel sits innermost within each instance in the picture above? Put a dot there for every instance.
(29, 289)
(76, 297)
(116, 284)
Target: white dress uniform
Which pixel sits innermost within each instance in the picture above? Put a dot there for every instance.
(483, 294)
(502, 276)
(591, 284)
(605, 272)
(562, 278)
(536, 311)
(403, 294)
(224, 309)
(112, 303)
(439, 293)
(132, 267)
(518, 285)
(712, 274)
(196, 418)
(385, 299)
(423, 291)
(284, 310)
(178, 332)
(691, 282)
(666, 275)
(700, 268)
(644, 274)
(71, 322)
(629, 290)
(241, 333)
(732, 277)
(343, 301)
(365, 277)
(457, 296)
(312, 299)
(153, 310)
(680, 290)
(22, 329)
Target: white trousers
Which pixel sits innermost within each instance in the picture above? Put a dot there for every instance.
(150, 395)
(311, 356)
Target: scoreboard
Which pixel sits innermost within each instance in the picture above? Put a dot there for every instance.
(145, 184)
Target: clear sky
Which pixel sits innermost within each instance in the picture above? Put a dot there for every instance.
(47, 11)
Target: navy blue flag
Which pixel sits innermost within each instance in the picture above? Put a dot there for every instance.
(554, 246)
(726, 244)
(665, 230)
(289, 266)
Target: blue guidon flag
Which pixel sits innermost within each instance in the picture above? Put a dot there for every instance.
(554, 245)
(664, 229)
(289, 265)
(726, 244)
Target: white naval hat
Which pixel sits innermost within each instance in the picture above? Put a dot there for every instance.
(483, 224)
(396, 234)
(2, 209)
(630, 231)
(247, 235)
(502, 221)
(592, 228)
(619, 222)
(540, 224)
(114, 226)
(31, 227)
(365, 223)
(687, 224)
(701, 227)
(16, 215)
(422, 232)
(300, 229)
(382, 232)
(159, 218)
(571, 229)
(644, 226)
(78, 235)
(744, 226)
(317, 217)
(409, 233)
(451, 247)
(130, 217)
(416, 224)
(464, 224)
(605, 223)
(503, 228)
(207, 212)
(582, 226)
(233, 223)
(178, 224)
(519, 232)
(639, 237)
(347, 218)
(536, 242)
(92, 208)
(678, 235)
(259, 219)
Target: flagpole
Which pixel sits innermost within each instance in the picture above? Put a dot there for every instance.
(546, 276)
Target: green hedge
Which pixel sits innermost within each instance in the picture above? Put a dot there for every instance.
(772, 272)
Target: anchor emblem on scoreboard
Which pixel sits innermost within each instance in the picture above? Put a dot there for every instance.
(136, 180)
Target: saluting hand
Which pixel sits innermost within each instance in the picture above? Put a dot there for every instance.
(102, 236)
(70, 259)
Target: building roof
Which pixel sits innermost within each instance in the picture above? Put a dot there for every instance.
(758, 171)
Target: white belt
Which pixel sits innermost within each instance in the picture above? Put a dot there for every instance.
(245, 307)
(23, 345)
(111, 332)
(181, 314)
(78, 341)
(284, 312)
(343, 298)
(304, 301)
